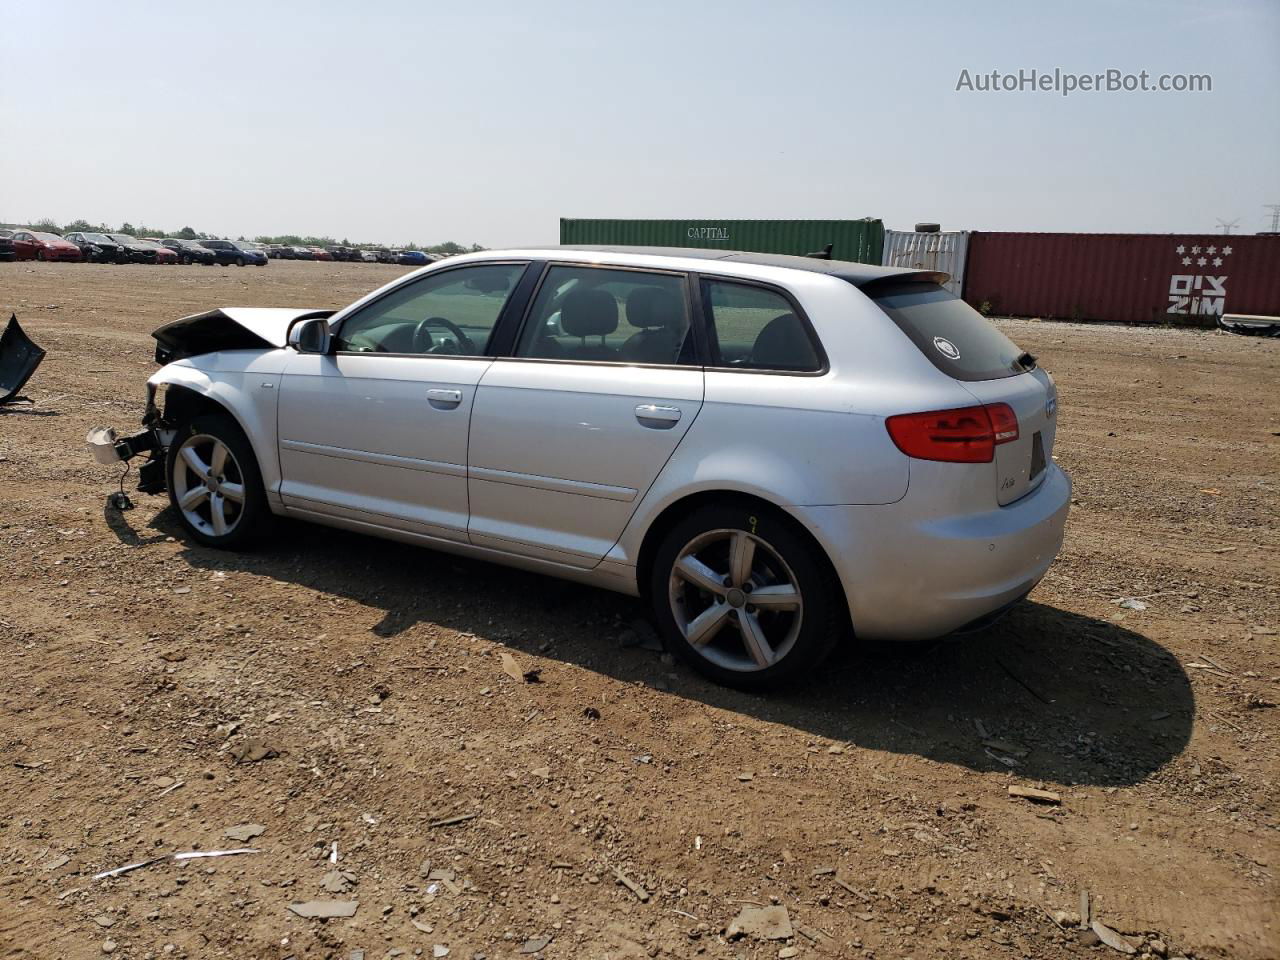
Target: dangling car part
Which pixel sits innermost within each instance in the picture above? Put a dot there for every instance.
(19, 357)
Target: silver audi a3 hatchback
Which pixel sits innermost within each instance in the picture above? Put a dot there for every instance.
(778, 453)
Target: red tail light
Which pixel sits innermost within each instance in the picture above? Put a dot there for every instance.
(963, 435)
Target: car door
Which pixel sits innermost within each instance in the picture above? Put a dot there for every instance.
(569, 433)
(376, 430)
(25, 245)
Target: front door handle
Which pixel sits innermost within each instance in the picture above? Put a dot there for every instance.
(444, 398)
(652, 415)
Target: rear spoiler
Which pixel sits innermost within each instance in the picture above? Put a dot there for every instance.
(907, 276)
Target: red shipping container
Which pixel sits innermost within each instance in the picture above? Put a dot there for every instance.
(1123, 277)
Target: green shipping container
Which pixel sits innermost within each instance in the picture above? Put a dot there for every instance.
(857, 240)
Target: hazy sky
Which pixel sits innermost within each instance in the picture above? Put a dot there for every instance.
(487, 122)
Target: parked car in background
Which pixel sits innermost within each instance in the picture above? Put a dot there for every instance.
(413, 258)
(253, 247)
(778, 454)
(302, 253)
(385, 255)
(320, 253)
(163, 254)
(7, 251)
(278, 251)
(97, 247)
(134, 250)
(190, 251)
(369, 256)
(38, 245)
(230, 252)
(336, 253)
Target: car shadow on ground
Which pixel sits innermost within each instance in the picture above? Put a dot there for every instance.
(1045, 693)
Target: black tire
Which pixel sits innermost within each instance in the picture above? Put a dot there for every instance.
(822, 617)
(40, 255)
(239, 261)
(253, 518)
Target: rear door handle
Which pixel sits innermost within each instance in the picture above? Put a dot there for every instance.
(652, 415)
(444, 398)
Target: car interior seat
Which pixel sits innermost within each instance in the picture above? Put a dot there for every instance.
(589, 313)
(783, 344)
(663, 326)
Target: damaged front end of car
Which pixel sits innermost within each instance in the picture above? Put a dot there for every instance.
(172, 404)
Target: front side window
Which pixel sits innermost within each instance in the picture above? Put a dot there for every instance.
(451, 313)
(756, 328)
(619, 316)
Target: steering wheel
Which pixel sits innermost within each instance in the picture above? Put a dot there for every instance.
(423, 342)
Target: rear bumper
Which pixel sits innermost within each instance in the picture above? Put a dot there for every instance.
(909, 574)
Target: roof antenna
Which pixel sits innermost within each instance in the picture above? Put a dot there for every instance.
(823, 254)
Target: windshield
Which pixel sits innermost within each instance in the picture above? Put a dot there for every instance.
(48, 237)
(96, 237)
(958, 340)
(122, 238)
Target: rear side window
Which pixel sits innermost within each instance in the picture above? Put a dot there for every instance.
(757, 329)
(596, 314)
(957, 339)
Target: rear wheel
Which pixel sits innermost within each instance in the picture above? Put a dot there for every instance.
(744, 597)
(215, 485)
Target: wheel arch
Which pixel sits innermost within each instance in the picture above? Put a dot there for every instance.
(676, 511)
(189, 393)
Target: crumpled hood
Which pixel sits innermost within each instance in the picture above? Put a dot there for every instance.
(228, 328)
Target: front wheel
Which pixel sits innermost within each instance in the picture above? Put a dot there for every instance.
(744, 597)
(215, 485)
(239, 261)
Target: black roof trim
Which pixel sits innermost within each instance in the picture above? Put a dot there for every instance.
(858, 274)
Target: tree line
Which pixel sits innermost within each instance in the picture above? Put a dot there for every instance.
(47, 225)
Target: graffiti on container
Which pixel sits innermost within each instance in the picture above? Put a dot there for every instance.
(708, 233)
(1199, 294)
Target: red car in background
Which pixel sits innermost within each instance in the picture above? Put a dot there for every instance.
(320, 253)
(163, 253)
(34, 245)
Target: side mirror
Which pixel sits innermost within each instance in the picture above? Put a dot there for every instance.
(310, 336)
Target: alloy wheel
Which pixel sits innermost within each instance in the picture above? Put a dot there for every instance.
(208, 485)
(735, 600)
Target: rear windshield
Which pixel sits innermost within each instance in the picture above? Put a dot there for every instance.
(957, 339)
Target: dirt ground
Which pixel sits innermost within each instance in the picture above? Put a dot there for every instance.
(867, 805)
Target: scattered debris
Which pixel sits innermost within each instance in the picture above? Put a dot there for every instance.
(450, 821)
(746, 776)
(764, 923)
(325, 909)
(55, 863)
(1130, 603)
(1022, 683)
(591, 713)
(641, 893)
(1038, 796)
(1112, 939)
(174, 858)
(338, 881)
(536, 945)
(19, 357)
(1007, 746)
(176, 785)
(244, 832)
(252, 751)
